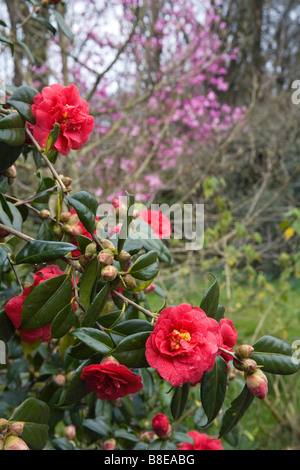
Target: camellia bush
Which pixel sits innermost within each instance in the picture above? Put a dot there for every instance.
(88, 364)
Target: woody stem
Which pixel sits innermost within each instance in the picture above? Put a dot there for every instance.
(49, 164)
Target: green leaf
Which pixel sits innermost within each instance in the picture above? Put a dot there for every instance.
(45, 23)
(39, 251)
(22, 100)
(63, 322)
(179, 400)
(45, 301)
(123, 234)
(87, 281)
(131, 350)
(146, 267)
(96, 306)
(35, 414)
(126, 328)
(210, 301)
(76, 389)
(52, 137)
(27, 50)
(12, 130)
(7, 329)
(98, 426)
(143, 232)
(8, 155)
(275, 356)
(213, 389)
(7, 41)
(63, 25)
(234, 414)
(85, 205)
(9, 214)
(97, 340)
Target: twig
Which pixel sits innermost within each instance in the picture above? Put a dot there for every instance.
(49, 164)
(14, 232)
(128, 301)
(15, 273)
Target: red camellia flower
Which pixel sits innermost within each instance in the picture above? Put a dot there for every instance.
(160, 224)
(62, 105)
(161, 425)
(110, 380)
(229, 337)
(14, 306)
(183, 344)
(201, 442)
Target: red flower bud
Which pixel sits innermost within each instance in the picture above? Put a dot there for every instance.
(109, 273)
(161, 426)
(107, 244)
(146, 436)
(110, 444)
(60, 380)
(106, 257)
(257, 384)
(246, 365)
(3, 233)
(15, 443)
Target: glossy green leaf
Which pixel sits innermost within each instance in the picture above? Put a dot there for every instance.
(39, 251)
(97, 306)
(52, 137)
(210, 301)
(275, 356)
(234, 414)
(85, 205)
(8, 155)
(97, 340)
(46, 301)
(87, 281)
(63, 322)
(76, 389)
(7, 329)
(146, 267)
(35, 414)
(213, 389)
(131, 350)
(10, 215)
(128, 327)
(98, 426)
(179, 400)
(22, 100)
(12, 130)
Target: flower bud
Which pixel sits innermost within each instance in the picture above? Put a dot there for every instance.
(91, 249)
(110, 444)
(106, 257)
(257, 384)
(146, 436)
(245, 365)
(129, 281)
(67, 181)
(107, 244)
(84, 260)
(69, 432)
(244, 351)
(149, 288)
(16, 428)
(15, 443)
(161, 426)
(122, 256)
(3, 425)
(60, 380)
(10, 172)
(109, 273)
(65, 217)
(44, 214)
